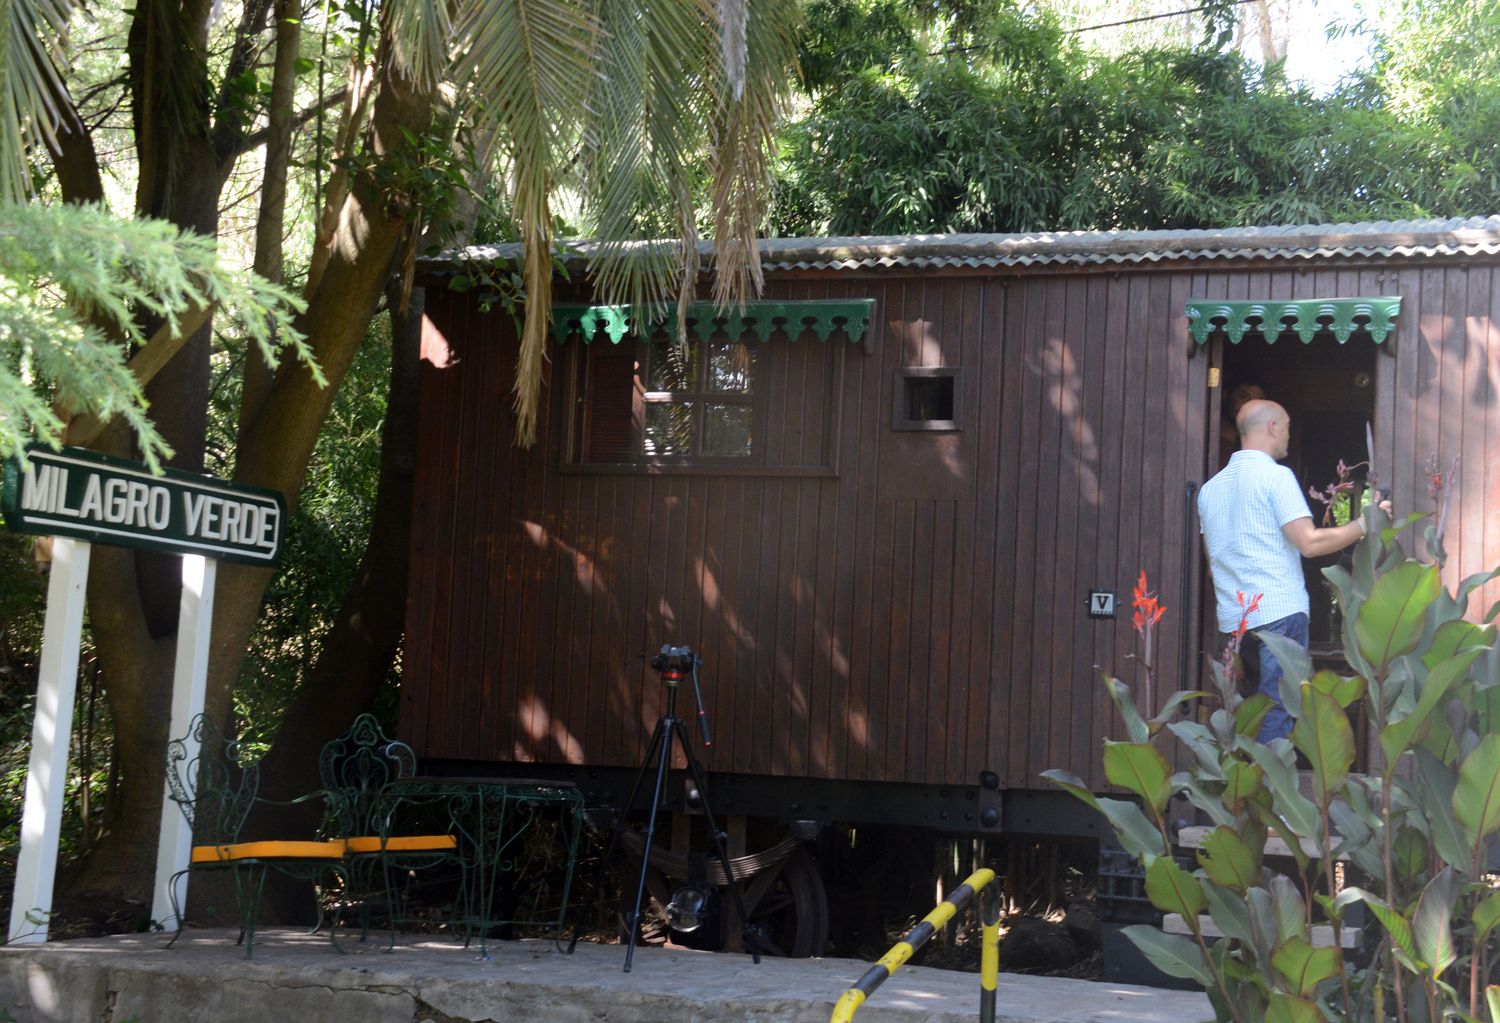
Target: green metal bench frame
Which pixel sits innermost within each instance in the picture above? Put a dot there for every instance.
(216, 791)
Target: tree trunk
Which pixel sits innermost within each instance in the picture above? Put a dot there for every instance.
(133, 597)
(365, 637)
(274, 446)
(359, 648)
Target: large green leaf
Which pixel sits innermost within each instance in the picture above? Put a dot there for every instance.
(1119, 693)
(1295, 809)
(1242, 782)
(1231, 912)
(1139, 767)
(1344, 690)
(1356, 838)
(1210, 803)
(1176, 955)
(1296, 668)
(1303, 966)
(1174, 708)
(1290, 910)
(1138, 836)
(1432, 923)
(1250, 713)
(1390, 622)
(1324, 736)
(1227, 860)
(1456, 636)
(1173, 890)
(1434, 782)
(1398, 736)
(1285, 1008)
(1476, 799)
(1492, 999)
(1200, 740)
(1486, 915)
(1396, 925)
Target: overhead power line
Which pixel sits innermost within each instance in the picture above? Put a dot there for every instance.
(1151, 17)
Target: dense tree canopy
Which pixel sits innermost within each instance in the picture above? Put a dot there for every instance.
(929, 119)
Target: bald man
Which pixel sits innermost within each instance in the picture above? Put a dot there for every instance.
(1257, 528)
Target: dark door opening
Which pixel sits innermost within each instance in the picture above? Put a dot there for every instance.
(1329, 391)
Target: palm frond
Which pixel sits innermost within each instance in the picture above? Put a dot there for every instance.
(533, 61)
(643, 149)
(744, 141)
(419, 33)
(29, 83)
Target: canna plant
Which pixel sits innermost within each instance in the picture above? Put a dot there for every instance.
(1414, 832)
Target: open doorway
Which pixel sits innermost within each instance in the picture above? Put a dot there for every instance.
(1329, 390)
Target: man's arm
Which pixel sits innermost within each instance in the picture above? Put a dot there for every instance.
(1314, 542)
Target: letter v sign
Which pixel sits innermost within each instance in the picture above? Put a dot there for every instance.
(1101, 603)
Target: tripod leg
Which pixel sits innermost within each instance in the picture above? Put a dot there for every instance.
(665, 727)
(749, 931)
(614, 835)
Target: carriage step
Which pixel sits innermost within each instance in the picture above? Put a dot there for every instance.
(1322, 934)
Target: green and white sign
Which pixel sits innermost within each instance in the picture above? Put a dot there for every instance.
(88, 496)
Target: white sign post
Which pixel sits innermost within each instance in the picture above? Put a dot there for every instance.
(80, 497)
(47, 775)
(174, 850)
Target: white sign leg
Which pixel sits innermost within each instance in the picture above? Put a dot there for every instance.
(174, 850)
(51, 733)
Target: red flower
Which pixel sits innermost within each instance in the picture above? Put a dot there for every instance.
(1245, 612)
(1148, 610)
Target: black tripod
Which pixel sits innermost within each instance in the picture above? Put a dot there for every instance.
(674, 664)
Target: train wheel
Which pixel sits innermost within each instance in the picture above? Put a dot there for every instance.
(789, 907)
(781, 889)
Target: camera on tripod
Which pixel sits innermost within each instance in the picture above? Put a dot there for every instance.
(675, 661)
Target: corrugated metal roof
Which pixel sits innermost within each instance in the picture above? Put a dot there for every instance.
(1404, 238)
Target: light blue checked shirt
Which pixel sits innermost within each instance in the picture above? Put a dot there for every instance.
(1241, 512)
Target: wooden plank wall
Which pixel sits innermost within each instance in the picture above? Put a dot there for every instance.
(919, 616)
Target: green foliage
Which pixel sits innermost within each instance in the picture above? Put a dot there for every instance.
(1418, 828)
(325, 537)
(923, 120)
(74, 282)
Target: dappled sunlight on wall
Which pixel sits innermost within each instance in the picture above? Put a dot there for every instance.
(1064, 392)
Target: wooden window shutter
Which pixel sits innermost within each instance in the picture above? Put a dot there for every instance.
(609, 430)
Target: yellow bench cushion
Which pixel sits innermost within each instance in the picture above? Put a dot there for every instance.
(273, 850)
(402, 843)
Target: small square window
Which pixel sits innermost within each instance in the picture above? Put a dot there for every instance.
(927, 398)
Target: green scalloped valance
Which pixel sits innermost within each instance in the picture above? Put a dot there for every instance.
(1339, 316)
(821, 316)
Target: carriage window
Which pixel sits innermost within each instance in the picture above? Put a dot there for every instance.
(659, 402)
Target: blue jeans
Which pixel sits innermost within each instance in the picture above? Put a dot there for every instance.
(1278, 722)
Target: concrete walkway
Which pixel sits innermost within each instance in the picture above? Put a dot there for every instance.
(298, 977)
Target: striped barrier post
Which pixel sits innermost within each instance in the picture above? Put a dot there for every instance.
(852, 999)
(989, 954)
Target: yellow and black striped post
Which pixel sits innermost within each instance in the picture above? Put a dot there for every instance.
(918, 936)
(989, 954)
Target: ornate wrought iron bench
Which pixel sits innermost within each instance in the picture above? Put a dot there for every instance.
(216, 790)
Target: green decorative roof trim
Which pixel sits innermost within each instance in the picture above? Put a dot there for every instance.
(1339, 316)
(821, 316)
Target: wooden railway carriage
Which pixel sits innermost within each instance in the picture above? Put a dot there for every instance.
(887, 503)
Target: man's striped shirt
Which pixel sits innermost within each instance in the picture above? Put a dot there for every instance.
(1241, 512)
